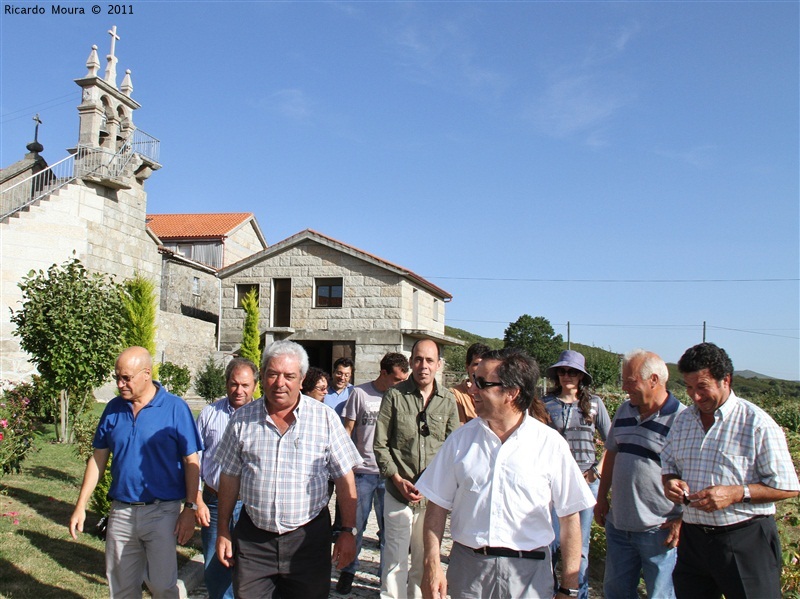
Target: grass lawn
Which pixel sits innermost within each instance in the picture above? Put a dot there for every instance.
(38, 558)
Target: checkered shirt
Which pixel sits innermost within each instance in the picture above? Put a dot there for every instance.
(284, 478)
(743, 446)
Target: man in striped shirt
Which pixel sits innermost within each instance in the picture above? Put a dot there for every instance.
(727, 461)
(278, 453)
(642, 526)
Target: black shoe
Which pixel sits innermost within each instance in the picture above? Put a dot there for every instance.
(345, 583)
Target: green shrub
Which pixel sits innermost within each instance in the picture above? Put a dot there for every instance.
(84, 430)
(16, 428)
(210, 381)
(174, 378)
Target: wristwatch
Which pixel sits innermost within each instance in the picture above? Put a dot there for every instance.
(746, 497)
(353, 531)
(190, 505)
(568, 592)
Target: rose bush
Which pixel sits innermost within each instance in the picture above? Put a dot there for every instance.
(16, 426)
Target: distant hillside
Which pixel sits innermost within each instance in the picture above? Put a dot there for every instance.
(745, 382)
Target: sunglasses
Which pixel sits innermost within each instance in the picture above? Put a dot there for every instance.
(422, 420)
(482, 383)
(568, 372)
(126, 378)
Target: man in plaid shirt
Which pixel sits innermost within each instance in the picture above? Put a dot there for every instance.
(727, 461)
(278, 454)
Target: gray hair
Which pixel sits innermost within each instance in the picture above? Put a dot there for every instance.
(651, 364)
(286, 348)
(239, 363)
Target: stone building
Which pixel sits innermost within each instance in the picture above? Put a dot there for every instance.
(333, 299)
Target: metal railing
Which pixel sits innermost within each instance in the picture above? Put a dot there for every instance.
(86, 162)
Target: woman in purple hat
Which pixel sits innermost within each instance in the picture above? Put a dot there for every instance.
(577, 415)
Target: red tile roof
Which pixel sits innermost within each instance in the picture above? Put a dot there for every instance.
(195, 226)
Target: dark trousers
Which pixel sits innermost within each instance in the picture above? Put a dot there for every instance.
(294, 564)
(744, 563)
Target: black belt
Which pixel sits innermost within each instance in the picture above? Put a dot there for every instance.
(718, 530)
(136, 503)
(505, 552)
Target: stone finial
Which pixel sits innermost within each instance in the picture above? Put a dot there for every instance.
(111, 67)
(127, 86)
(93, 63)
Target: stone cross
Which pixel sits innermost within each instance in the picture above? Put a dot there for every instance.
(114, 38)
(36, 131)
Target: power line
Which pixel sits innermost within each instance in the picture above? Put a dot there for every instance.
(513, 280)
(7, 118)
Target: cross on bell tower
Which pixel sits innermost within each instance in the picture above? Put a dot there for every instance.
(111, 67)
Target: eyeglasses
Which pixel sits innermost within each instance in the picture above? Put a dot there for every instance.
(482, 383)
(422, 420)
(126, 378)
(568, 372)
(321, 389)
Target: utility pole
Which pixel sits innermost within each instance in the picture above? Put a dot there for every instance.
(569, 342)
(704, 331)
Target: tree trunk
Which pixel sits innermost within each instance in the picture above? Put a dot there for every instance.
(63, 401)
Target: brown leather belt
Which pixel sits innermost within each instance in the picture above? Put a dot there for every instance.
(210, 490)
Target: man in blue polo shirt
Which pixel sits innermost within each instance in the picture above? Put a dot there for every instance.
(155, 442)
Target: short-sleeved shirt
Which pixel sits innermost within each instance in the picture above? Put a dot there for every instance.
(638, 503)
(211, 423)
(500, 493)
(284, 477)
(337, 399)
(148, 451)
(571, 422)
(362, 408)
(743, 446)
(400, 448)
(466, 406)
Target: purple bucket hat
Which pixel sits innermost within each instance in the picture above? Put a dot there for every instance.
(570, 359)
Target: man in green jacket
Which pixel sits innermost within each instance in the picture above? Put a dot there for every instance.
(415, 418)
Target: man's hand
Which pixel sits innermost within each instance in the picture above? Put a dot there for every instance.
(601, 509)
(344, 550)
(675, 489)
(225, 549)
(716, 498)
(184, 527)
(434, 582)
(202, 516)
(407, 489)
(673, 537)
(76, 522)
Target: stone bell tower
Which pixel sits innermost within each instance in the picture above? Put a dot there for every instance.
(106, 113)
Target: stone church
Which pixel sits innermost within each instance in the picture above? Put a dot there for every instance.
(334, 299)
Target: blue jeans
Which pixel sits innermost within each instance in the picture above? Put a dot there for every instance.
(587, 516)
(218, 578)
(628, 554)
(370, 489)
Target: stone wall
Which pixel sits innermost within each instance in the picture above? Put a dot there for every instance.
(104, 228)
(181, 294)
(243, 243)
(184, 341)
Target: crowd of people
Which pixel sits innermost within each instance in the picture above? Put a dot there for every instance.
(686, 494)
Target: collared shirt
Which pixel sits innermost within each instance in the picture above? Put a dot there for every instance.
(464, 401)
(284, 478)
(638, 501)
(149, 449)
(570, 421)
(337, 399)
(211, 423)
(362, 408)
(500, 493)
(743, 446)
(399, 446)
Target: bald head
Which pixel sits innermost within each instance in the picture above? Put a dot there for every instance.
(133, 373)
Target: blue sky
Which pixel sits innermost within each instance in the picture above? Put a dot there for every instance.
(630, 168)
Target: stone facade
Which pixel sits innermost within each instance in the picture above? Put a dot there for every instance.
(383, 307)
(242, 243)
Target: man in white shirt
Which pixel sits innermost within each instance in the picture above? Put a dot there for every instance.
(498, 474)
